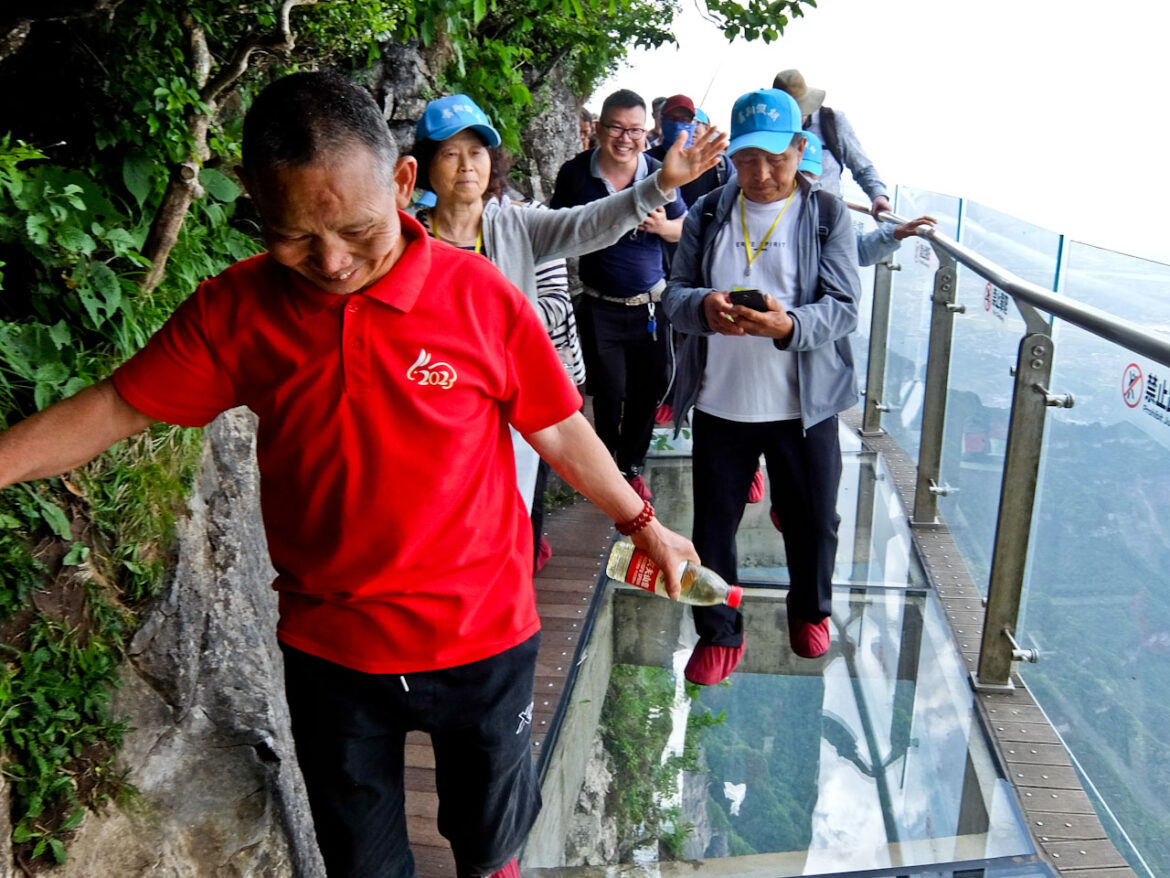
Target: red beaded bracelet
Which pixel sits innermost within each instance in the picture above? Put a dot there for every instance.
(643, 518)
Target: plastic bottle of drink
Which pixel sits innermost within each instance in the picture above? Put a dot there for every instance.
(699, 585)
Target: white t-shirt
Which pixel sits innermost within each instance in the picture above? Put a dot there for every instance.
(748, 378)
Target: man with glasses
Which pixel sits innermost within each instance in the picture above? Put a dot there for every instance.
(624, 336)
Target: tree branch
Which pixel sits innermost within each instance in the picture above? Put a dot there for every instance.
(282, 40)
(184, 189)
(705, 13)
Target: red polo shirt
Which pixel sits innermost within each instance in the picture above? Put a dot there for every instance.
(388, 486)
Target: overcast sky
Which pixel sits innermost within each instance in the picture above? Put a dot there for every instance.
(1051, 110)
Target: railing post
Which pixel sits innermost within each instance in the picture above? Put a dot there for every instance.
(1030, 399)
(879, 337)
(934, 403)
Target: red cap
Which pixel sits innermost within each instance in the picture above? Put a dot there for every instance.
(678, 102)
(735, 596)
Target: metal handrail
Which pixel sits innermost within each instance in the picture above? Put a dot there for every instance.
(1031, 397)
(1094, 320)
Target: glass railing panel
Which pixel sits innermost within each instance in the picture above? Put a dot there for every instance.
(861, 224)
(979, 397)
(910, 316)
(1097, 602)
(870, 758)
(1125, 286)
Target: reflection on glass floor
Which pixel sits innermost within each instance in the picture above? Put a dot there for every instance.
(868, 760)
(874, 547)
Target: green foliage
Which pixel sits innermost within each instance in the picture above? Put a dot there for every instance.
(136, 491)
(20, 573)
(781, 776)
(756, 19)
(54, 714)
(636, 722)
(503, 50)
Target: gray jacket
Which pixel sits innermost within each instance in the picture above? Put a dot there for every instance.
(517, 240)
(824, 316)
(864, 173)
(877, 245)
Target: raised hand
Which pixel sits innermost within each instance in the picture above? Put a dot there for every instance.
(685, 163)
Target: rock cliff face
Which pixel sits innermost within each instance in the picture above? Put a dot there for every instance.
(219, 792)
(211, 757)
(592, 836)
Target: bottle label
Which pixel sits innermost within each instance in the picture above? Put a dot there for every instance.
(641, 571)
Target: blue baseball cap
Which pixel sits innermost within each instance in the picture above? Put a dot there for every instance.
(765, 119)
(448, 116)
(812, 154)
(700, 116)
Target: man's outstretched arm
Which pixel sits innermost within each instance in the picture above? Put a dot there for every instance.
(574, 450)
(68, 434)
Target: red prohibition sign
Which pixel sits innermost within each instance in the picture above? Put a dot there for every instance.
(1132, 385)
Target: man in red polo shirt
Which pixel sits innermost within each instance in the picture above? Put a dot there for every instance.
(385, 369)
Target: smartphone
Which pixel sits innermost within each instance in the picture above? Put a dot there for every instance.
(753, 299)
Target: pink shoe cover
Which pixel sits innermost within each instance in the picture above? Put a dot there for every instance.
(709, 664)
(807, 639)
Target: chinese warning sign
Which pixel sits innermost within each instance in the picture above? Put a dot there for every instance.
(1151, 392)
(995, 301)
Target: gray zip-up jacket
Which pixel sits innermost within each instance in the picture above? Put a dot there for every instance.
(518, 240)
(824, 316)
(852, 155)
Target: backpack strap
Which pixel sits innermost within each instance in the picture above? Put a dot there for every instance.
(722, 171)
(832, 141)
(827, 206)
(707, 206)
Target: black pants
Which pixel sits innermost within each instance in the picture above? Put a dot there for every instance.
(350, 728)
(804, 471)
(625, 367)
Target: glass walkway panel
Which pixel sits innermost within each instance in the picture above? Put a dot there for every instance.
(869, 760)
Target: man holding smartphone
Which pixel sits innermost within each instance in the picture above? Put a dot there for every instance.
(765, 288)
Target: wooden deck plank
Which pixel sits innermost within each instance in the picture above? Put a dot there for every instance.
(1065, 827)
(1053, 777)
(1083, 855)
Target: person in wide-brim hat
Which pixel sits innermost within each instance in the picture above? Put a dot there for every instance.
(808, 99)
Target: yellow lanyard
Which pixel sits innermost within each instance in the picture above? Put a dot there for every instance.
(747, 239)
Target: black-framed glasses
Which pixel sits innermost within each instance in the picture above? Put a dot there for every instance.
(616, 132)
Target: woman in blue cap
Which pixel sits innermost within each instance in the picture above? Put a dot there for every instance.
(457, 149)
(459, 160)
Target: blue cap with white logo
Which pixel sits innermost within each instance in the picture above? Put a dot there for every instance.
(448, 116)
(700, 116)
(812, 154)
(765, 119)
